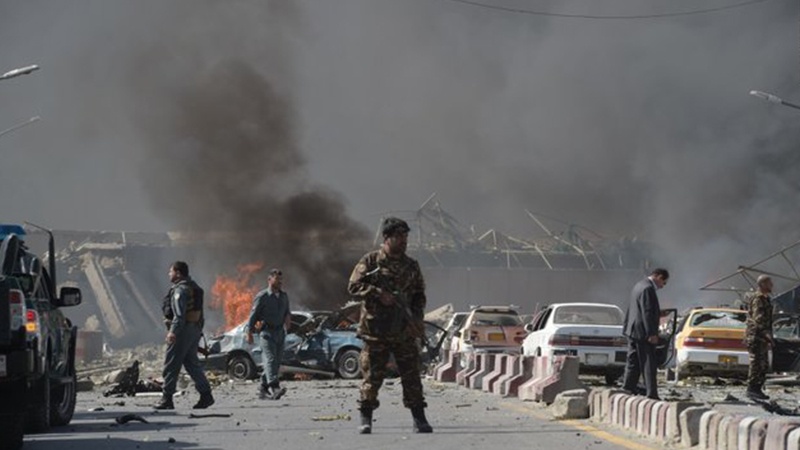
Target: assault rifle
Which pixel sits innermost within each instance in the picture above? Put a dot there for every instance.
(401, 301)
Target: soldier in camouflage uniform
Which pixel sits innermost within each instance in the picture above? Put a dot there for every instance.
(758, 337)
(389, 283)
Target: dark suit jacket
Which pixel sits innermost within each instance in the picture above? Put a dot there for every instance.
(643, 313)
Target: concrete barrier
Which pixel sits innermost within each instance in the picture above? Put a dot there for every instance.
(486, 363)
(512, 370)
(539, 371)
(793, 440)
(524, 373)
(450, 366)
(494, 375)
(707, 436)
(690, 425)
(470, 366)
(778, 432)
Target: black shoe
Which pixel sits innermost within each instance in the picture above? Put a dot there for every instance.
(366, 422)
(206, 400)
(165, 404)
(277, 392)
(421, 424)
(265, 393)
(757, 394)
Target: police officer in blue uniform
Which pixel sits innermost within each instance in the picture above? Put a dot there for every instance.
(183, 313)
(271, 311)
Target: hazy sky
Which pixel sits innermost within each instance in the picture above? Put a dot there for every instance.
(635, 127)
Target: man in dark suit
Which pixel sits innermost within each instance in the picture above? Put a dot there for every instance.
(641, 328)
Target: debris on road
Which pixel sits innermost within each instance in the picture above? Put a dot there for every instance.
(204, 416)
(97, 409)
(331, 418)
(130, 417)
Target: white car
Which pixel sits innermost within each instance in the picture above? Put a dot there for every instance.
(590, 331)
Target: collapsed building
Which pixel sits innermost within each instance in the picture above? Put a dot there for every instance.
(781, 265)
(123, 274)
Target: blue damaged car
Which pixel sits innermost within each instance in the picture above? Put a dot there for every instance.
(319, 343)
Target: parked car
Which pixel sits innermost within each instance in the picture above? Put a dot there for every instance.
(452, 327)
(493, 329)
(590, 331)
(710, 341)
(786, 332)
(320, 342)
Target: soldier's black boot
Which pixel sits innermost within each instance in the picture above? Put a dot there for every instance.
(421, 424)
(366, 421)
(755, 393)
(165, 403)
(206, 400)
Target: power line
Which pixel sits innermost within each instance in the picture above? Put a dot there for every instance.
(612, 17)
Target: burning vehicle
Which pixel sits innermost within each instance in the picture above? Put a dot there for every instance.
(317, 343)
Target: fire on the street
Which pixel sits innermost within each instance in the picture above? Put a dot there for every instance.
(234, 295)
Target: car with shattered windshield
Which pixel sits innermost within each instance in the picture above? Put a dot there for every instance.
(710, 341)
(493, 329)
(317, 343)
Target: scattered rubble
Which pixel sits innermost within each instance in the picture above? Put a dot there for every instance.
(573, 404)
(129, 418)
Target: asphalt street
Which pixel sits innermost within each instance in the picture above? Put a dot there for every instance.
(323, 415)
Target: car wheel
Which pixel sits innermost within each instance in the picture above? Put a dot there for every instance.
(241, 367)
(62, 403)
(348, 364)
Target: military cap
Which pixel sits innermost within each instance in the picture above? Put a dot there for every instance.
(393, 225)
(762, 278)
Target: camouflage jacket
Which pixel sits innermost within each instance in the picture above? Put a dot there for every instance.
(377, 272)
(759, 318)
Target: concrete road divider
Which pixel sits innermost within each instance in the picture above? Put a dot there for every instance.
(470, 366)
(524, 373)
(499, 365)
(511, 371)
(486, 363)
(450, 366)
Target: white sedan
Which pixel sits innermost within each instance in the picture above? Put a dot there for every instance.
(590, 331)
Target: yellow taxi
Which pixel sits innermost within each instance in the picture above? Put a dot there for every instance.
(710, 341)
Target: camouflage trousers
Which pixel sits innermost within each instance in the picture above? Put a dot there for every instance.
(374, 357)
(758, 351)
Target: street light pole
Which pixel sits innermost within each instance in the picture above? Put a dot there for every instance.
(773, 99)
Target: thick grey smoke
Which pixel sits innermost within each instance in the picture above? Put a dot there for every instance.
(638, 127)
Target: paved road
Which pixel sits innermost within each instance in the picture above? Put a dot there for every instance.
(461, 419)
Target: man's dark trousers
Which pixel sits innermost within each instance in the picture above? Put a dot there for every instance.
(641, 359)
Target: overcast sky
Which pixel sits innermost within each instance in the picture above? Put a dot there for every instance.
(629, 127)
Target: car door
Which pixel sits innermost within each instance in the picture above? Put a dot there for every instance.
(668, 325)
(538, 336)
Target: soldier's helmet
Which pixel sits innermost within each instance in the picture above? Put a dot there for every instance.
(393, 225)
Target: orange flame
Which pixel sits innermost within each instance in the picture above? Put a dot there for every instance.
(234, 295)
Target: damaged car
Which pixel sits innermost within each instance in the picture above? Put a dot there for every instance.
(710, 341)
(320, 343)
